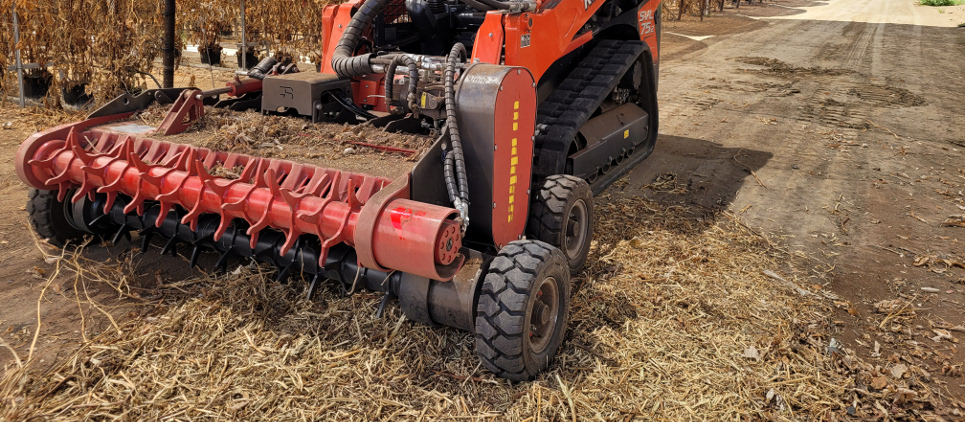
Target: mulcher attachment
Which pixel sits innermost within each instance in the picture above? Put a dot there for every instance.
(180, 185)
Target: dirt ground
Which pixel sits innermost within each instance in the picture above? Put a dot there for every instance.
(834, 128)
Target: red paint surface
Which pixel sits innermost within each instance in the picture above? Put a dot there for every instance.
(291, 197)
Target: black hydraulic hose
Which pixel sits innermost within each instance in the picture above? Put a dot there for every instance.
(389, 79)
(412, 94)
(448, 171)
(457, 54)
(478, 6)
(343, 62)
(495, 4)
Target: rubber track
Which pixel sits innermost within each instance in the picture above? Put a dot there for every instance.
(576, 99)
(503, 304)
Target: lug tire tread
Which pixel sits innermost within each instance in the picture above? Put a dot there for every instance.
(548, 213)
(46, 217)
(503, 301)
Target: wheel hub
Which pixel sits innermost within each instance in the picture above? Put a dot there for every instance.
(576, 233)
(544, 314)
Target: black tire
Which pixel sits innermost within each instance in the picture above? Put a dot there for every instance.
(562, 215)
(50, 217)
(522, 310)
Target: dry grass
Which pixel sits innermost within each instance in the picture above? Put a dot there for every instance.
(322, 144)
(674, 319)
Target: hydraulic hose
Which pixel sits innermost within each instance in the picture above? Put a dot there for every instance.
(343, 62)
(389, 78)
(450, 176)
(486, 5)
(478, 6)
(412, 94)
(461, 203)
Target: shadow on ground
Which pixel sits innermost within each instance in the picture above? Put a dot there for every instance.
(692, 171)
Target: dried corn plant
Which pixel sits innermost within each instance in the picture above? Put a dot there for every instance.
(203, 22)
(6, 43)
(110, 45)
(35, 38)
(292, 26)
(124, 45)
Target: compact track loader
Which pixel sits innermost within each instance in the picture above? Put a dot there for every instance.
(537, 106)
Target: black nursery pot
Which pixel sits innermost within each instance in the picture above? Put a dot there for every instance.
(251, 59)
(36, 86)
(76, 95)
(211, 54)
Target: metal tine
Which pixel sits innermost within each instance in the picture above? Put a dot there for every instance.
(294, 178)
(385, 301)
(98, 220)
(51, 157)
(137, 202)
(191, 218)
(123, 231)
(262, 222)
(172, 246)
(164, 198)
(146, 236)
(86, 187)
(222, 264)
(100, 146)
(284, 272)
(208, 157)
(156, 153)
(313, 286)
(195, 253)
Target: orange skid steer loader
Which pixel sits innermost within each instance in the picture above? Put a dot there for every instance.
(537, 105)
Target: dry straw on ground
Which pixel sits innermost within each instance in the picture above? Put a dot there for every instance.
(673, 320)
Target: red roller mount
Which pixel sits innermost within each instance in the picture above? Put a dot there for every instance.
(373, 214)
(189, 107)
